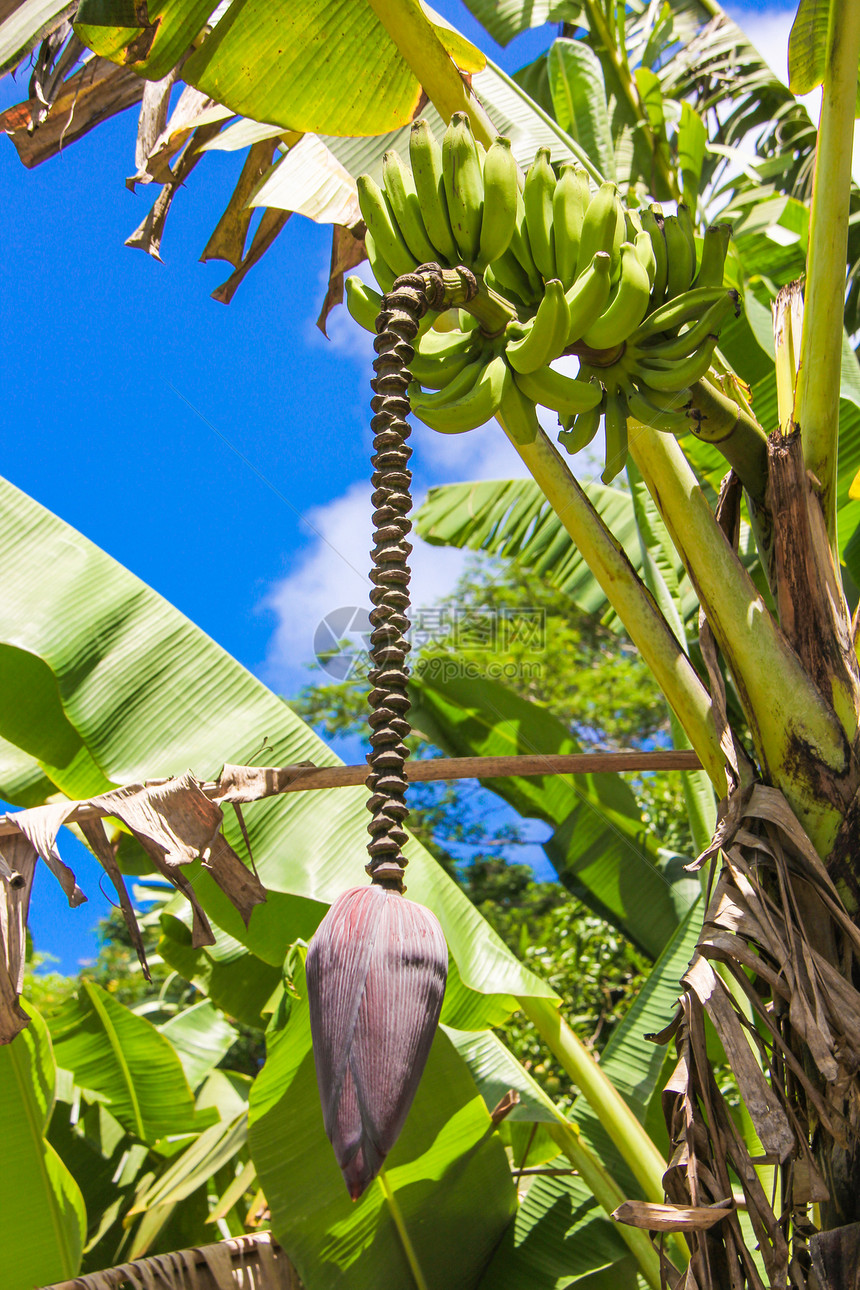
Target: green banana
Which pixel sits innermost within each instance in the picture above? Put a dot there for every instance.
(440, 357)
(588, 297)
(464, 186)
(687, 341)
(382, 226)
(615, 427)
(681, 256)
(599, 225)
(362, 302)
(715, 246)
(675, 313)
(632, 225)
(627, 305)
(647, 258)
(383, 273)
(517, 414)
(682, 372)
(538, 194)
(652, 414)
(510, 279)
(581, 430)
(522, 250)
(471, 399)
(652, 224)
(425, 155)
(569, 203)
(545, 335)
(406, 208)
(500, 202)
(563, 394)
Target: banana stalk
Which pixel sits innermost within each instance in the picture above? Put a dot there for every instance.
(798, 737)
(821, 346)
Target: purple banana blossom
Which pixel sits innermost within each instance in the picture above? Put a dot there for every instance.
(376, 971)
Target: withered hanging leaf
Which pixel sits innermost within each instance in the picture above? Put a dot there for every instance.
(150, 125)
(40, 825)
(98, 91)
(176, 822)
(147, 236)
(250, 783)
(94, 832)
(266, 232)
(311, 181)
(671, 1218)
(347, 250)
(376, 972)
(16, 881)
(193, 111)
(227, 241)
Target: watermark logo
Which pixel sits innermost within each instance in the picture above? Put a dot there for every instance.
(342, 640)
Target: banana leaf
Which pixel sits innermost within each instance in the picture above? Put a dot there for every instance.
(42, 1216)
(201, 1036)
(446, 1156)
(127, 1061)
(600, 848)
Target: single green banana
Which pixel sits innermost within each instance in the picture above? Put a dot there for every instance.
(652, 224)
(440, 357)
(599, 225)
(425, 154)
(522, 250)
(685, 220)
(615, 426)
(464, 186)
(507, 276)
(627, 306)
(680, 373)
(687, 341)
(404, 204)
(563, 394)
(380, 221)
(681, 257)
(670, 420)
(669, 317)
(632, 225)
(517, 414)
(471, 399)
(647, 258)
(580, 430)
(715, 246)
(382, 271)
(500, 202)
(588, 297)
(569, 203)
(538, 195)
(362, 302)
(545, 334)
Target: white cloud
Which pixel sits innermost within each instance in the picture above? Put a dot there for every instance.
(332, 572)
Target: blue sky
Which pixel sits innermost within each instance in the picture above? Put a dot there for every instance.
(131, 399)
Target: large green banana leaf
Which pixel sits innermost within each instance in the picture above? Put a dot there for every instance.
(446, 1158)
(600, 848)
(138, 691)
(42, 1216)
(296, 65)
(127, 1061)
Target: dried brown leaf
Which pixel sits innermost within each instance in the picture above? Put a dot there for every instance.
(98, 91)
(40, 825)
(250, 783)
(671, 1218)
(227, 241)
(19, 865)
(150, 125)
(94, 832)
(147, 236)
(267, 230)
(347, 250)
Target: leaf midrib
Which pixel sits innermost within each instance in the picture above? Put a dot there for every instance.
(113, 1040)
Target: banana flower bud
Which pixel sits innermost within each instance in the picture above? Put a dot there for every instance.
(376, 972)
